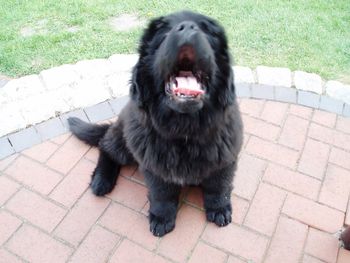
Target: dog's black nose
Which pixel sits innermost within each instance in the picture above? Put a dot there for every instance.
(187, 26)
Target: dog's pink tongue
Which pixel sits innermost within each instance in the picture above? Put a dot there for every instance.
(188, 85)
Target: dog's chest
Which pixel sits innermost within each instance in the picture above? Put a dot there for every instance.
(181, 161)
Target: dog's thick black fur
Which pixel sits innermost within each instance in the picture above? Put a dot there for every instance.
(178, 136)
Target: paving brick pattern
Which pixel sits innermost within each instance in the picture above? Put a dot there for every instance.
(291, 197)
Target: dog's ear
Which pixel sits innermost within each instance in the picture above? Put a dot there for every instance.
(149, 34)
(139, 86)
(227, 96)
(141, 82)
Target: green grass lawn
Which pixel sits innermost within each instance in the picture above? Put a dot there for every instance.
(311, 35)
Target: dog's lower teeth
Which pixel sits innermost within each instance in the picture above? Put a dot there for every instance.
(181, 95)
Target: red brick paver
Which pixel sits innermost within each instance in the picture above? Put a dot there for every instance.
(36, 209)
(311, 259)
(98, 239)
(344, 256)
(265, 209)
(324, 118)
(294, 132)
(8, 188)
(274, 112)
(36, 246)
(347, 218)
(237, 240)
(336, 188)
(272, 152)
(190, 223)
(8, 225)
(234, 260)
(303, 112)
(6, 257)
(74, 184)
(41, 152)
(260, 128)
(248, 176)
(314, 158)
(290, 198)
(322, 245)
(131, 252)
(343, 124)
(33, 174)
(127, 222)
(68, 155)
(81, 218)
(288, 241)
(313, 214)
(292, 181)
(130, 194)
(204, 253)
(4, 163)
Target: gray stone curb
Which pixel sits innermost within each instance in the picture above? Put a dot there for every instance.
(6, 148)
(96, 90)
(24, 139)
(21, 140)
(27, 138)
(99, 112)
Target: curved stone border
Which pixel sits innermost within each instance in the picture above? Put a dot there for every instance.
(26, 138)
(35, 98)
(280, 84)
(97, 89)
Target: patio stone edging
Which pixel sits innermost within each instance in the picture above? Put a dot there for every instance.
(299, 87)
(97, 89)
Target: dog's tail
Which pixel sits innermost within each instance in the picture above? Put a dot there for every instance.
(87, 132)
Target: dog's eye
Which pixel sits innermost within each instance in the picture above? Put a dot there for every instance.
(204, 26)
(159, 25)
(162, 24)
(210, 27)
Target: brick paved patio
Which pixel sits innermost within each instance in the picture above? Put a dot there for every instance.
(291, 197)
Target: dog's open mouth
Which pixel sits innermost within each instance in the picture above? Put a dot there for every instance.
(187, 80)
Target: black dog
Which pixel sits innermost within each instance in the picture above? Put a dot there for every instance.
(182, 125)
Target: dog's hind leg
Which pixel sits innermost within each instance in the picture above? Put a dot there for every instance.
(105, 175)
(113, 154)
(113, 151)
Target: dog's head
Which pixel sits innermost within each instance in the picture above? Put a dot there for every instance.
(184, 63)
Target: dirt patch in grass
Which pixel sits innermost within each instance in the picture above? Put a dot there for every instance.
(38, 28)
(45, 27)
(126, 22)
(73, 29)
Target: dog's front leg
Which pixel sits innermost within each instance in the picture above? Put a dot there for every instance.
(217, 196)
(164, 199)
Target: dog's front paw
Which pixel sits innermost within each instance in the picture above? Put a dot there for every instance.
(159, 226)
(101, 185)
(220, 216)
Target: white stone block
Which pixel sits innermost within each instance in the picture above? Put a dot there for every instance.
(42, 107)
(21, 88)
(88, 93)
(243, 75)
(11, 118)
(58, 77)
(308, 81)
(119, 84)
(123, 62)
(338, 90)
(281, 77)
(95, 68)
